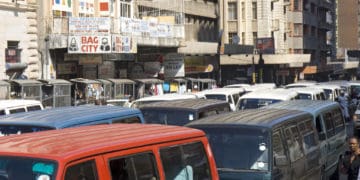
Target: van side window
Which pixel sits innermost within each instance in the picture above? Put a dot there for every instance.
(127, 120)
(34, 108)
(185, 162)
(338, 120)
(12, 111)
(2, 112)
(85, 170)
(229, 99)
(294, 143)
(329, 124)
(278, 147)
(223, 110)
(320, 128)
(207, 113)
(236, 98)
(139, 166)
(309, 135)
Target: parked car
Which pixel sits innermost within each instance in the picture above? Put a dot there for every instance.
(19, 105)
(126, 151)
(181, 112)
(65, 117)
(330, 126)
(263, 144)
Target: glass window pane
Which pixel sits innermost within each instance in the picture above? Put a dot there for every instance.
(85, 170)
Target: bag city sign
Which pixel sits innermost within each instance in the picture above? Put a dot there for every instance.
(89, 44)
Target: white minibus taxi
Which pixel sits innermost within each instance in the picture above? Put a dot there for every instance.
(19, 105)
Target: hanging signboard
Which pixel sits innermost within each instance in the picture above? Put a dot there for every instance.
(89, 25)
(174, 65)
(123, 44)
(89, 44)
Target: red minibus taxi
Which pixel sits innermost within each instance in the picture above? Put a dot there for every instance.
(103, 152)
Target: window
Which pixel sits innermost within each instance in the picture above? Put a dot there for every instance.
(12, 111)
(297, 5)
(298, 28)
(278, 146)
(12, 52)
(254, 10)
(232, 10)
(329, 124)
(272, 5)
(231, 38)
(128, 120)
(85, 170)
(2, 112)
(255, 36)
(243, 38)
(338, 120)
(139, 166)
(320, 128)
(243, 10)
(33, 108)
(125, 9)
(185, 161)
(294, 143)
(284, 36)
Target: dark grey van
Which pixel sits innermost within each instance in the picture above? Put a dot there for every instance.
(263, 144)
(65, 117)
(181, 112)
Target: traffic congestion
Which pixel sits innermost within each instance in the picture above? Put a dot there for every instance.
(153, 129)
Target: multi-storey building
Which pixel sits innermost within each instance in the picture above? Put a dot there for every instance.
(128, 38)
(300, 34)
(18, 39)
(348, 38)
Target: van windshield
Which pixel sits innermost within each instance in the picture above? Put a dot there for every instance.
(256, 103)
(169, 117)
(12, 168)
(239, 148)
(6, 130)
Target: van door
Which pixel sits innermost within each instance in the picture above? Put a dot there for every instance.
(281, 165)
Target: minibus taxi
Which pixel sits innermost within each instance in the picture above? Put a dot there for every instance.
(122, 151)
(65, 117)
(263, 144)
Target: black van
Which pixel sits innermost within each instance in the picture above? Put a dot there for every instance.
(263, 144)
(181, 112)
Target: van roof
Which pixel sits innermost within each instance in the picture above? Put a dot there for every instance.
(65, 116)
(167, 97)
(257, 117)
(84, 141)
(17, 102)
(279, 94)
(308, 90)
(226, 91)
(303, 105)
(185, 104)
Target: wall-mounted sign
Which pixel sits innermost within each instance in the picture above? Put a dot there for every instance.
(89, 44)
(123, 44)
(89, 25)
(174, 65)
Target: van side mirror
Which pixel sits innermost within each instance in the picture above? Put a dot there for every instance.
(280, 160)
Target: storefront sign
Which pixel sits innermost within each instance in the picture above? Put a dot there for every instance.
(89, 25)
(89, 44)
(174, 65)
(123, 44)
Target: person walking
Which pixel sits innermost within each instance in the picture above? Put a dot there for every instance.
(350, 163)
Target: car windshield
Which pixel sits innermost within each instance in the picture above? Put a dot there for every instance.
(240, 148)
(169, 117)
(14, 168)
(216, 96)
(255, 103)
(6, 130)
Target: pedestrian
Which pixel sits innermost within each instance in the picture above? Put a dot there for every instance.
(350, 163)
(343, 100)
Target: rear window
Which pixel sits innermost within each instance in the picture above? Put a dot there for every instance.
(255, 103)
(6, 130)
(128, 120)
(169, 117)
(34, 108)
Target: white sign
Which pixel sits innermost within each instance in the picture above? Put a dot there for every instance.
(89, 25)
(89, 44)
(174, 65)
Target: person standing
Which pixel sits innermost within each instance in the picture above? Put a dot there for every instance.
(351, 161)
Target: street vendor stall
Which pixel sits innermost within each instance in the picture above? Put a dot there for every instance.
(56, 92)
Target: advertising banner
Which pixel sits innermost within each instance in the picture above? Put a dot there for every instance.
(89, 44)
(265, 45)
(174, 65)
(89, 25)
(123, 44)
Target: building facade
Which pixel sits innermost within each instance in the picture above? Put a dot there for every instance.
(301, 32)
(18, 40)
